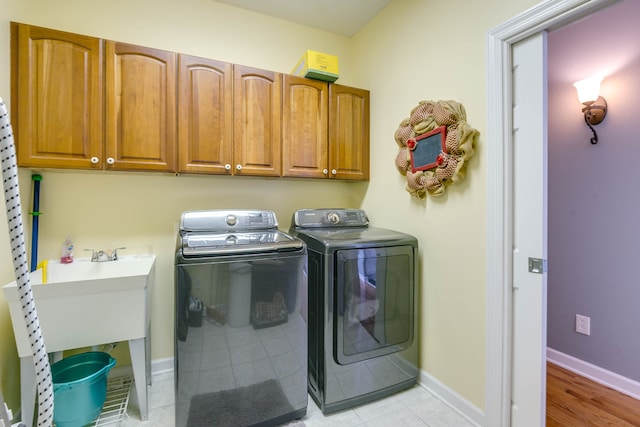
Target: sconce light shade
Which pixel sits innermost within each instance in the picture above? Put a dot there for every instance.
(588, 89)
(595, 106)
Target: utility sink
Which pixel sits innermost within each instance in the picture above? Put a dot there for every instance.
(86, 303)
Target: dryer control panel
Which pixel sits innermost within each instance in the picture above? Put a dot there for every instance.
(329, 218)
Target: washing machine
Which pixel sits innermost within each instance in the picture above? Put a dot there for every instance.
(363, 315)
(240, 321)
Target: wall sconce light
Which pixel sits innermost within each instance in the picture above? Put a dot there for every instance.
(595, 106)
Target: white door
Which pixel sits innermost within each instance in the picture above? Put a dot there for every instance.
(530, 232)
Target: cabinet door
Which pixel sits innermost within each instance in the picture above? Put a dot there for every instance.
(205, 118)
(57, 102)
(304, 127)
(256, 121)
(141, 108)
(348, 133)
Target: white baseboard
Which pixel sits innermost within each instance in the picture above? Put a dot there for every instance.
(158, 367)
(595, 373)
(459, 404)
(162, 366)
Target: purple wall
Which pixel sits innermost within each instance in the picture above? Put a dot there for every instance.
(594, 192)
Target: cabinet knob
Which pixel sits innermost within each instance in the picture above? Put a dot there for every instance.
(333, 171)
(239, 167)
(325, 171)
(110, 160)
(227, 167)
(95, 160)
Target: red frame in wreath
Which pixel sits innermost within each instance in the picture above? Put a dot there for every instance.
(413, 143)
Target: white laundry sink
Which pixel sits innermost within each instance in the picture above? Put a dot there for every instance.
(88, 303)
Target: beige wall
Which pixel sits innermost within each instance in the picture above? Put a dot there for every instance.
(414, 50)
(419, 50)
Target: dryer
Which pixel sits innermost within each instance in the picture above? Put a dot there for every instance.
(362, 307)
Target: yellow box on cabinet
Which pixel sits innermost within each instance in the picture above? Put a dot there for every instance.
(317, 65)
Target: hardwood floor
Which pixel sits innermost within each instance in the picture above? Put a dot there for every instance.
(575, 401)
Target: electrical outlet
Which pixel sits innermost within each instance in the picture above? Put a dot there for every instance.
(583, 324)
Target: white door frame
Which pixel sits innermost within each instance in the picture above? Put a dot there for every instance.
(548, 15)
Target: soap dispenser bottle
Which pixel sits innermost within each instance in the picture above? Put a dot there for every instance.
(67, 251)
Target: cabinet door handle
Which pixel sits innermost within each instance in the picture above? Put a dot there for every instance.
(95, 160)
(325, 171)
(333, 171)
(110, 160)
(239, 167)
(227, 167)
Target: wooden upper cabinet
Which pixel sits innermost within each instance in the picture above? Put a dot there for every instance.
(57, 97)
(141, 108)
(86, 103)
(325, 130)
(348, 132)
(304, 127)
(205, 115)
(256, 121)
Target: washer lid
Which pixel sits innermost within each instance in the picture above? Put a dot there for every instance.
(205, 244)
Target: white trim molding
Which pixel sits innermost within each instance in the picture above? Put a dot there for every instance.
(158, 367)
(547, 15)
(162, 366)
(453, 400)
(595, 373)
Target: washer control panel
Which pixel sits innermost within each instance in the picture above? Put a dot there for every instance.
(221, 220)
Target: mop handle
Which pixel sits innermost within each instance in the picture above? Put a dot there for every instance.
(35, 215)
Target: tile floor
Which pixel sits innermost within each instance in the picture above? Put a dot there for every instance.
(415, 407)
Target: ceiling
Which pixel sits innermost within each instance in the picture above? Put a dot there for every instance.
(345, 17)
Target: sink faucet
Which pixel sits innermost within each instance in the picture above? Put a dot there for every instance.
(101, 256)
(114, 253)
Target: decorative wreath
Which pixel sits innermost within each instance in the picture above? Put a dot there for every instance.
(435, 143)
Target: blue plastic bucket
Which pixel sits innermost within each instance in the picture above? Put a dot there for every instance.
(80, 388)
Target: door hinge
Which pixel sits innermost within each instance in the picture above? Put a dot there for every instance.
(537, 265)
